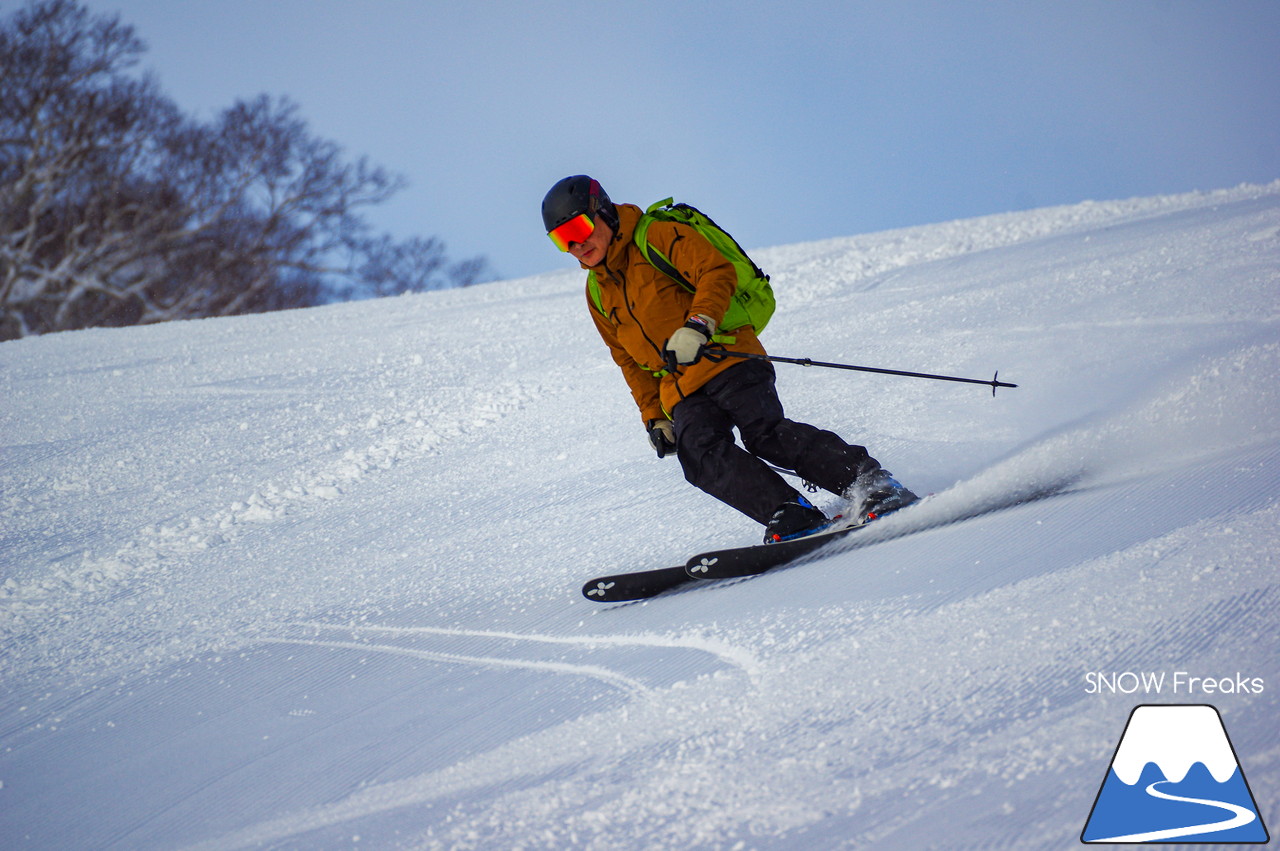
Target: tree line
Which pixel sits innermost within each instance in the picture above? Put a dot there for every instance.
(117, 209)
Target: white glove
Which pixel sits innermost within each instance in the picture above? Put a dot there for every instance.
(685, 346)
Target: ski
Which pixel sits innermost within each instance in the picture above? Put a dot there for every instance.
(639, 585)
(735, 562)
(752, 560)
(758, 558)
(718, 564)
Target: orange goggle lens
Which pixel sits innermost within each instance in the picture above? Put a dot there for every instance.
(576, 229)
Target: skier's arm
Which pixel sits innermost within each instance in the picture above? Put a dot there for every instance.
(642, 382)
(712, 275)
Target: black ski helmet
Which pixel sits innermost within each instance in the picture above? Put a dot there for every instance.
(574, 196)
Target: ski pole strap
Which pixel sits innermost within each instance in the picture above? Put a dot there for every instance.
(719, 354)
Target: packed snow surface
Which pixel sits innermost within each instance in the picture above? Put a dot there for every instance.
(312, 579)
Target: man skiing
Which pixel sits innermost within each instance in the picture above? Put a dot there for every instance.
(658, 333)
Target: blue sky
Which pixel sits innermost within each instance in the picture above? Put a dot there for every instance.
(787, 122)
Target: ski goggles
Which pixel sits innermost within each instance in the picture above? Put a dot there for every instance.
(576, 229)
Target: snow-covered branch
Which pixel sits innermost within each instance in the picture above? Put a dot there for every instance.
(116, 209)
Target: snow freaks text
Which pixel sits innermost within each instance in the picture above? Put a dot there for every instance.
(1171, 683)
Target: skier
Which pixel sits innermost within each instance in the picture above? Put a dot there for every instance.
(658, 332)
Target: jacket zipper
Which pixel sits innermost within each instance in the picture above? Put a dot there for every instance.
(626, 300)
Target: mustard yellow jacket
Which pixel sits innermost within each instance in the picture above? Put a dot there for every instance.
(643, 307)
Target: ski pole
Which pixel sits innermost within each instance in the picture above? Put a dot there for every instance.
(717, 354)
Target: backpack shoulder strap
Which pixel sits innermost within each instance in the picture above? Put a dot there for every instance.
(655, 257)
(593, 293)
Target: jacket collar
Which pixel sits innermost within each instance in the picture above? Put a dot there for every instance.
(616, 255)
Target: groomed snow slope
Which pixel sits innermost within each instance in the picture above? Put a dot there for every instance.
(311, 579)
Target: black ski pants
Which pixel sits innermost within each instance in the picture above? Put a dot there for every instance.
(744, 396)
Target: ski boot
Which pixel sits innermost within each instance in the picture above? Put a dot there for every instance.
(794, 519)
(881, 494)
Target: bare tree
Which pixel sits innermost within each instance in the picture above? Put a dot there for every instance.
(116, 209)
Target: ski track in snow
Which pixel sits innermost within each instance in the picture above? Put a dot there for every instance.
(734, 657)
(603, 675)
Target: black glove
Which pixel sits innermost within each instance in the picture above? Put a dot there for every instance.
(662, 437)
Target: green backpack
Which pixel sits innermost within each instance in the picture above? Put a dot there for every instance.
(753, 301)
